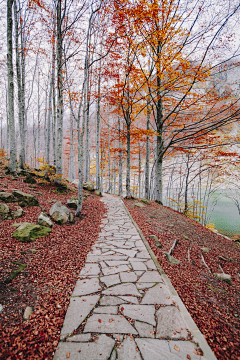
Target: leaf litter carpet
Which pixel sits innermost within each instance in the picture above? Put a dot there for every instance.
(213, 304)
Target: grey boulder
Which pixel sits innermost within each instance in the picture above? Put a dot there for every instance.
(44, 220)
(59, 213)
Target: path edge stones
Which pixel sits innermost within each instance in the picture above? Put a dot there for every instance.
(192, 327)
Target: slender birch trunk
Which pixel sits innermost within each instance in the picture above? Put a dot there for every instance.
(38, 126)
(98, 126)
(109, 158)
(53, 103)
(48, 129)
(59, 93)
(120, 187)
(139, 169)
(13, 149)
(21, 164)
(147, 194)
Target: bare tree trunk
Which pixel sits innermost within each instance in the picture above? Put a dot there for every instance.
(128, 178)
(48, 129)
(53, 96)
(20, 93)
(147, 195)
(109, 158)
(86, 164)
(38, 126)
(139, 170)
(120, 188)
(59, 92)
(13, 150)
(98, 127)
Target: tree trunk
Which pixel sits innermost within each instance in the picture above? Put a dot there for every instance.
(48, 130)
(13, 150)
(21, 164)
(120, 188)
(147, 195)
(128, 178)
(139, 170)
(59, 93)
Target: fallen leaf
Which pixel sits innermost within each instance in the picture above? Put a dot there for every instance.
(68, 355)
(188, 357)
(99, 320)
(176, 348)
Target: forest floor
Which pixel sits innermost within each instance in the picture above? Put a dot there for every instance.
(53, 266)
(213, 304)
(54, 262)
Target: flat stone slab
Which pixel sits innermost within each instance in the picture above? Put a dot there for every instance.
(146, 285)
(106, 310)
(110, 300)
(158, 294)
(77, 311)
(79, 338)
(116, 263)
(150, 264)
(97, 258)
(170, 324)
(145, 313)
(90, 269)
(110, 280)
(143, 255)
(99, 350)
(115, 269)
(131, 299)
(130, 253)
(108, 324)
(184, 348)
(122, 289)
(138, 265)
(86, 286)
(153, 349)
(145, 330)
(128, 350)
(151, 276)
(128, 276)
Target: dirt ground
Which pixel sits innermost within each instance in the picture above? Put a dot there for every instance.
(213, 304)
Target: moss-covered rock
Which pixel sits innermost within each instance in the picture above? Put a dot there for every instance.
(7, 197)
(29, 199)
(5, 212)
(88, 185)
(14, 273)
(139, 205)
(30, 180)
(72, 203)
(145, 201)
(27, 232)
(98, 193)
(225, 277)
(18, 213)
(59, 213)
(171, 259)
(44, 220)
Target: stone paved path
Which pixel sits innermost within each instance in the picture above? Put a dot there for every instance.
(121, 305)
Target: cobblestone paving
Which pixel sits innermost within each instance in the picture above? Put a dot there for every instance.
(121, 308)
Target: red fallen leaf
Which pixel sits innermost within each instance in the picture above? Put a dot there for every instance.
(99, 320)
(176, 348)
(178, 331)
(188, 357)
(68, 355)
(122, 308)
(197, 352)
